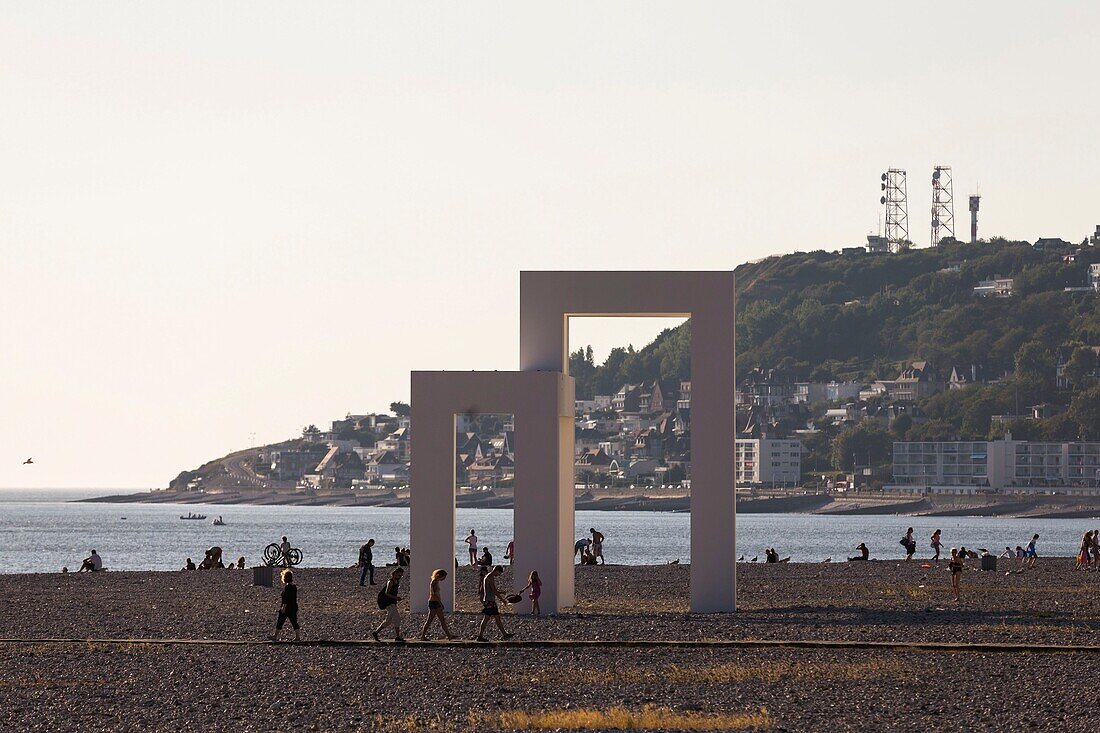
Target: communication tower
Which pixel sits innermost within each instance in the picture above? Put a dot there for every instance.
(943, 205)
(895, 200)
(974, 218)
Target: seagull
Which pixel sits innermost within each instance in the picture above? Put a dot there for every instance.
(754, 559)
(828, 559)
(741, 559)
(28, 462)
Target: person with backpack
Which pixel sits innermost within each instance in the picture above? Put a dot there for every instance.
(388, 599)
(909, 544)
(366, 561)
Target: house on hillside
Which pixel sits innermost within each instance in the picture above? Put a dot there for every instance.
(916, 381)
(997, 286)
(763, 387)
(1061, 358)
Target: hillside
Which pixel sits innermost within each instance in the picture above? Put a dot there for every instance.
(822, 316)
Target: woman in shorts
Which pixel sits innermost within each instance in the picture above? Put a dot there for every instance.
(435, 606)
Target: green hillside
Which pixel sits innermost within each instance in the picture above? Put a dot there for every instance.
(820, 316)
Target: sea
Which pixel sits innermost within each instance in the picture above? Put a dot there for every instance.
(43, 531)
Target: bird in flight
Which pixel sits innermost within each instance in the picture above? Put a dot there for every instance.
(28, 461)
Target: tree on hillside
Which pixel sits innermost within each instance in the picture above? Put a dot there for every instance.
(1034, 370)
(1085, 411)
(311, 432)
(866, 443)
(932, 431)
(1079, 367)
(401, 409)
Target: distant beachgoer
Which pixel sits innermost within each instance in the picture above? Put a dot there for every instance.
(189, 565)
(1082, 560)
(288, 606)
(909, 543)
(864, 553)
(535, 585)
(1030, 554)
(486, 558)
(489, 609)
(510, 551)
(366, 561)
(284, 551)
(956, 565)
(1008, 554)
(240, 563)
(388, 599)
(64, 569)
(936, 545)
(1096, 548)
(91, 564)
(770, 555)
(471, 540)
(435, 606)
(580, 547)
(597, 545)
(408, 556)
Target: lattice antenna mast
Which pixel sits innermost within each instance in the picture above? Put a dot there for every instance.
(943, 205)
(896, 201)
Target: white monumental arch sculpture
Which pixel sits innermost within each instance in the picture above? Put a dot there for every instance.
(541, 398)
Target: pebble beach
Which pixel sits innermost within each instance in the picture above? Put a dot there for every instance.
(896, 664)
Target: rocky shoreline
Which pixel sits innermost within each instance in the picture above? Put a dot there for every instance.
(460, 687)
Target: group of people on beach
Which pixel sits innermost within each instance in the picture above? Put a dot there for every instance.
(389, 597)
(589, 549)
(1088, 555)
(213, 561)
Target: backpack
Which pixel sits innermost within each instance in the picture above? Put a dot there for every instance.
(384, 601)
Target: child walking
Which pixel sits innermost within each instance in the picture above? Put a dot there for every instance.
(288, 606)
(535, 585)
(435, 606)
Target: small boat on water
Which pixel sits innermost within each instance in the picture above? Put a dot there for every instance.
(218, 521)
(193, 516)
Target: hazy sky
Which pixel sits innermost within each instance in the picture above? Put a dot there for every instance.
(220, 219)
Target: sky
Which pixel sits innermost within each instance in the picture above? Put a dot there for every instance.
(220, 222)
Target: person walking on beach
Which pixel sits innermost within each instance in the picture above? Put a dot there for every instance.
(909, 543)
(535, 585)
(284, 551)
(288, 606)
(1029, 552)
(510, 551)
(958, 560)
(471, 540)
(597, 545)
(1096, 548)
(388, 599)
(435, 606)
(490, 594)
(936, 545)
(1082, 561)
(366, 561)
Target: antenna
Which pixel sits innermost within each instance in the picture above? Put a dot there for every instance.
(943, 205)
(895, 199)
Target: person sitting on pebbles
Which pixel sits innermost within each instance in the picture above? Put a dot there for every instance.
(864, 553)
(91, 564)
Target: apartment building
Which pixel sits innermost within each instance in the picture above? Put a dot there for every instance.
(1009, 466)
(768, 462)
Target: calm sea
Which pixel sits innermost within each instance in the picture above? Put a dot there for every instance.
(42, 531)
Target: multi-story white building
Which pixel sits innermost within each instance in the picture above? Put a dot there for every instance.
(810, 393)
(1009, 466)
(1094, 274)
(768, 462)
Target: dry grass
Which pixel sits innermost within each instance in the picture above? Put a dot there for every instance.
(619, 718)
(768, 672)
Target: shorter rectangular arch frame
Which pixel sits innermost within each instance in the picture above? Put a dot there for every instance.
(542, 403)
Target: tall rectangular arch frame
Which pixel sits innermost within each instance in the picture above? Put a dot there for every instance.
(547, 301)
(542, 403)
